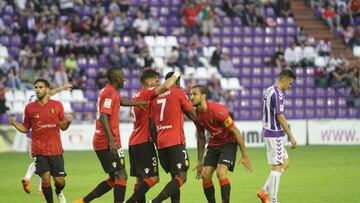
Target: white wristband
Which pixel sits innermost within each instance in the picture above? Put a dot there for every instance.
(177, 74)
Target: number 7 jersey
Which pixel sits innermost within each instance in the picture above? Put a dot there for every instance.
(168, 114)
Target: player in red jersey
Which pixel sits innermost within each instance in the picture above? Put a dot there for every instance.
(168, 113)
(106, 142)
(31, 168)
(224, 137)
(44, 117)
(145, 168)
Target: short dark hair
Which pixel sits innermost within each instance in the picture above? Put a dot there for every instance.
(147, 73)
(110, 73)
(203, 89)
(47, 84)
(287, 73)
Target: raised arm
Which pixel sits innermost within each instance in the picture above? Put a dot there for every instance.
(20, 127)
(127, 102)
(56, 90)
(285, 126)
(167, 84)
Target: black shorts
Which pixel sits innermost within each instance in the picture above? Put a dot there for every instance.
(224, 154)
(174, 159)
(54, 164)
(143, 160)
(111, 163)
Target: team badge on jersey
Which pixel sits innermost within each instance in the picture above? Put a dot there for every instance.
(155, 169)
(107, 103)
(52, 111)
(186, 163)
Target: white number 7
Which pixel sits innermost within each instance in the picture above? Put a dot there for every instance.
(163, 103)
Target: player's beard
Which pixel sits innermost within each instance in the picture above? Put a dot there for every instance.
(40, 96)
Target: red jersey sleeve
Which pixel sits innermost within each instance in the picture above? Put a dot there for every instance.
(27, 118)
(61, 112)
(223, 117)
(184, 101)
(107, 102)
(151, 93)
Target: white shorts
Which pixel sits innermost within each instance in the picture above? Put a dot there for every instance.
(275, 150)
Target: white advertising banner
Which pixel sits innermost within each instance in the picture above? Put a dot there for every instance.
(334, 132)
(79, 137)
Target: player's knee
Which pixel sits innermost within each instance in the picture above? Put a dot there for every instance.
(122, 175)
(183, 176)
(45, 177)
(60, 181)
(221, 175)
(206, 176)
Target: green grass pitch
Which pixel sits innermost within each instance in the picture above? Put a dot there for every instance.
(317, 174)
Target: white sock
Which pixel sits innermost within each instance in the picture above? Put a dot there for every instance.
(30, 171)
(274, 185)
(40, 186)
(266, 187)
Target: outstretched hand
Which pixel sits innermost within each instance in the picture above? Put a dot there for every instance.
(198, 168)
(12, 120)
(247, 164)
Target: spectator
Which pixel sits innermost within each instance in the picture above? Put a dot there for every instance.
(292, 55)
(101, 78)
(347, 34)
(10, 63)
(308, 54)
(71, 63)
(12, 80)
(144, 8)
(62, 45)
(190, 13)
(114, 7)
(60, 77)
(154, 25)
(99, 8)
(354, 8)
(215, 89)
(343, 14)
(115, 56)
(124, 6)
(301, 36)
(183, 56)
(139, 44)
(194, 56)
(279, 59)
(339, 77)
(173, 57)
(216, 56)
(2, 26)
(283, 8)
(251, 18)
(141, 25)
(226, 67)
(67, 7)
(323, 48)
(330, 17)
(3, 107)
(96, 23)
(355, 88)
(108, 24)
(207, 18)
(355, 40)
(228, 8)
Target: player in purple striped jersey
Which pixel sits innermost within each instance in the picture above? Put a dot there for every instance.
(31, 168)
(274, 128)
